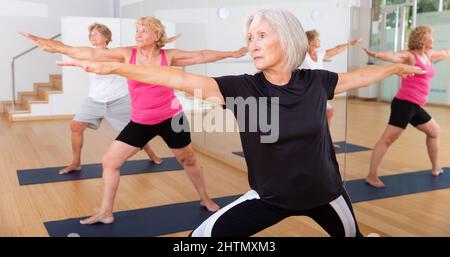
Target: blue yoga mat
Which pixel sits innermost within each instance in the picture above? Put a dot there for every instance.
(89, 171)
(154, 221)
(343, 148)
(397, 185)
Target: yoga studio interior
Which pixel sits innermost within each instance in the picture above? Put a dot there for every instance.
(397, 178)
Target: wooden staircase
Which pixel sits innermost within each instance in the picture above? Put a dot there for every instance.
(39, 95)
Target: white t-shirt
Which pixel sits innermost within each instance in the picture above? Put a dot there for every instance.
(312, 65)
(106, 88)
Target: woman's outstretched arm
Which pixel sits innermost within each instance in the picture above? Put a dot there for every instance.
(367, 75)
(340, 48)
(199, 86)
(186, 58)
(441, 55)
(404, 57)
(81, 53)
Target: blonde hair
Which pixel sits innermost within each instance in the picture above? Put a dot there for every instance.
(103, 30)
(312, 34)
(415, 41)
(156, 25)
(292, 36)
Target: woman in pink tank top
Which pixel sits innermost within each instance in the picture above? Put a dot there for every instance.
(155, 109)
(407, 106)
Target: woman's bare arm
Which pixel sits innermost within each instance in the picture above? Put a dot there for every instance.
(404, 57)
(367, 75)
(80, 53)
(186, 58)
(199, 86)
(340, 48)
(440, 55)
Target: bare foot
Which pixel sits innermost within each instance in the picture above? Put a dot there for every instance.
(437, 173)
(98, 218)
(336, 146)
(210, 205)
(375, 182)
(156, 160)
(70, 168)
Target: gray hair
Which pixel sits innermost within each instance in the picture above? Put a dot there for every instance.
(292, 36)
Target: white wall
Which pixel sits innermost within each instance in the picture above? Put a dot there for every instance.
(41, 17)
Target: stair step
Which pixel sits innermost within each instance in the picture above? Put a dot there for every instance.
(39, 95)
(18, 108)
(46, 88)
(44, 93)
(26, 93)
(57, 83)
(43, 84)
(30, 98)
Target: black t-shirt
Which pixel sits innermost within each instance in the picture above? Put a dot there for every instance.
(298, 171)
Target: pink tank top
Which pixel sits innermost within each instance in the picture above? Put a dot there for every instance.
(152, 104)
(416, 89)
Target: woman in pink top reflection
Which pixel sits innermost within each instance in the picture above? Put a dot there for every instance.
(407, 106)
(155, 110)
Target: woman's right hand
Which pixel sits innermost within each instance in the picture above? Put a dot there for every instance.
(100, 68)
(406, 70)
(48, 45)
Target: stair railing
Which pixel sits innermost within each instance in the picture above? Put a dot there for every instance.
(13, 72)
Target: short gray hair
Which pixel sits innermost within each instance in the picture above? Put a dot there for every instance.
(292, 36)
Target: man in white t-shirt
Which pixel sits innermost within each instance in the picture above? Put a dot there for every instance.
(315, 56)
(108, 99)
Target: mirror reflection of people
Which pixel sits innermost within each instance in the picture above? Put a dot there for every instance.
(315, 57)
(108, 99)
(153, 108)
(408, 105)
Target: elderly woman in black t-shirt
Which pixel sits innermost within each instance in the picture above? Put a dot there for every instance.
(293, 169)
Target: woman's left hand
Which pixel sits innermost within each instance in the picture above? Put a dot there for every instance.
(355, 42)
(239, 53)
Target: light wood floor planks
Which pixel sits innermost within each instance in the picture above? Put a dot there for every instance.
(24, 209)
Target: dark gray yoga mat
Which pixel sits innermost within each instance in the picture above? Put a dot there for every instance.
(397, 185)
(343, 148)
(153, 221)
(168, 219)
(89, 171)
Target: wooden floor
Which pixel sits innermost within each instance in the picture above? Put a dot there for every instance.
(24, 209)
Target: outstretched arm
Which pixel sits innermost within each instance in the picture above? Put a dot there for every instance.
(404, 57)
(80, 53)
(186, 58)
(365, 76)
(199, 86)
(440, 55)
(341, 48)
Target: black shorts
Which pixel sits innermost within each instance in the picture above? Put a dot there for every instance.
(176, 136)
(404, 112)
